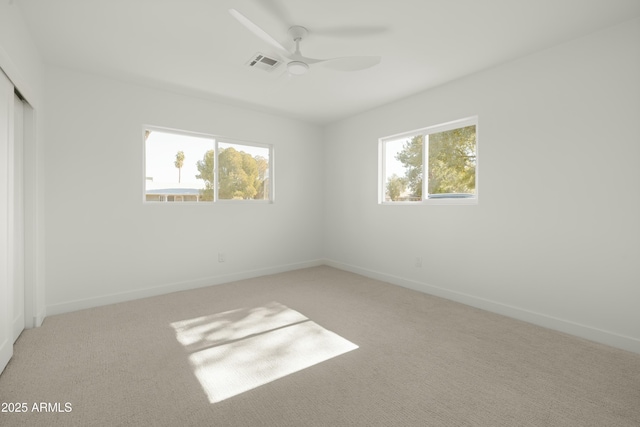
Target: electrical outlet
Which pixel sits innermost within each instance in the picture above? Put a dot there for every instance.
(418, 262)
(221, 257)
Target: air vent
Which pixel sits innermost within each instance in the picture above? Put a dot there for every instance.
(263, 62)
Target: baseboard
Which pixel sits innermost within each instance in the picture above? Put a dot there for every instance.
(6, 352)
(37, 320)
(583, 331)
(67, 307)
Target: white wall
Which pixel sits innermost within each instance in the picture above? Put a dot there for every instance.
(105, 245)
(554, 238)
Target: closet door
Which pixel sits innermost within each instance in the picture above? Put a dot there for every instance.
(16, 221)
(6, 291)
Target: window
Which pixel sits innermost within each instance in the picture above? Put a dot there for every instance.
(187, 167)
(434, 165)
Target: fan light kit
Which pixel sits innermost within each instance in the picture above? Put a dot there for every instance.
(297, 68)
(297, 64)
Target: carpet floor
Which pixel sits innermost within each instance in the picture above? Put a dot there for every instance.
(312, 347)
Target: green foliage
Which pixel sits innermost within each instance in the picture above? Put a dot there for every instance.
(452, 161)
(396, 186)
(237, 174)
(240, 175)
(179, 162)
(262, 179)
(411, 158)
(206, 167)
(451, 164)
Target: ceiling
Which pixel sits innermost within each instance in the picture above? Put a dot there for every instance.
(197, 48)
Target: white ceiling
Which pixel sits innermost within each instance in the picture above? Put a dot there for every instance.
(196, 47)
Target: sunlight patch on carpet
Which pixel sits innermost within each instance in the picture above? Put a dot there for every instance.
(239, 350)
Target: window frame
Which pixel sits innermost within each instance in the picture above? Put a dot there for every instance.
(216, 139)
(425, 132)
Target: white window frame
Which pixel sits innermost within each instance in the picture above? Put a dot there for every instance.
(382, 167)
(216, 140)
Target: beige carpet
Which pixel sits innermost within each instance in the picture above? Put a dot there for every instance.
(380, 355)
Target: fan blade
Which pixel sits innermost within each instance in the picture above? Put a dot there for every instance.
(257, 30)
(275, 8)
(351, 63)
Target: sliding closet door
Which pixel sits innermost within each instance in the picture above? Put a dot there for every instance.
(6, 292)
(16, 221)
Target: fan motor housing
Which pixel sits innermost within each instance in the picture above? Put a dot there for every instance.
(298, 33)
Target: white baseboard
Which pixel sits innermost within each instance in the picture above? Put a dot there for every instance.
(6, 351)
(37, 320)
(583, 331)
(82, 304)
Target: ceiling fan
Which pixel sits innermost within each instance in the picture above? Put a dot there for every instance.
(297, 64)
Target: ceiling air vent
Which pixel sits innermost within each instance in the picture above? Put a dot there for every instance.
(263, 62)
